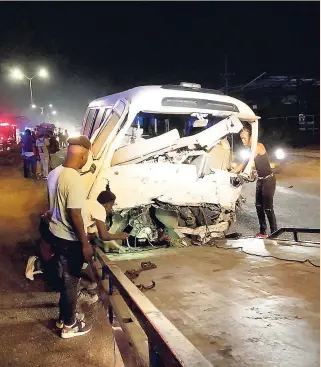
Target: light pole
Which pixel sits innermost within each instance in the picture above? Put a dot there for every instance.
(54, 113)
(18, 74)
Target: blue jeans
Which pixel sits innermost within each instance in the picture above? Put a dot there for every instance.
(27, 163)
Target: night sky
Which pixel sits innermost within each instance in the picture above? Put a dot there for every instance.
(93, 49)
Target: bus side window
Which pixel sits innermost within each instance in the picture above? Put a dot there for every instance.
(90, 121)
(98, 121)
(105, 114)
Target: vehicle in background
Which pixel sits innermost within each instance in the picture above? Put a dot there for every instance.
(165, 152)
(277, 155)
(45, 128)
(8, 136)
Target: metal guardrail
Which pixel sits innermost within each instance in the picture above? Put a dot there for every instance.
(167, 346)
(295, 231)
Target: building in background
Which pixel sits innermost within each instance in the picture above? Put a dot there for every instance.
(289, 107)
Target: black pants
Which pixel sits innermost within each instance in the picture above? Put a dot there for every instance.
(70, 259)
(265, 190)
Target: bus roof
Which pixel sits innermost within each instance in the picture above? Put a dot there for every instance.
(157, 98)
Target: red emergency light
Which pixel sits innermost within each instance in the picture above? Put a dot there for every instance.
(7, 124)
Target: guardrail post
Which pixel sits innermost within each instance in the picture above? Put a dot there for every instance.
(110, 308)
(154, 358)
(105, 275)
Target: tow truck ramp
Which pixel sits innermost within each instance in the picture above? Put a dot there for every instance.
(248, 306)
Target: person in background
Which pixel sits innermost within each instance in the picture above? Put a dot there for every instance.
(34, 134)
(265, 185)
(65, 138)
(43, 144)
(53, 149)
(68, 236)
(28, 148)
(60, 138)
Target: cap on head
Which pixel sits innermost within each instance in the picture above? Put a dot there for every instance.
(81, 141)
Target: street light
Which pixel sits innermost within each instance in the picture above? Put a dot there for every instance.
(18, 75)
(50, 105)
(34, 106)
(54, 112)
(43, 73)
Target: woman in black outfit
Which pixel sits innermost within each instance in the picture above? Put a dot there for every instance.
(265, 186)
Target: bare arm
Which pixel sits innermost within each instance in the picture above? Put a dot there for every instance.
(260, 149)
(238, 168)
(78, 226)
(104, 235)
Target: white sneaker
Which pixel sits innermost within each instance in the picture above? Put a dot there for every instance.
(91, 286)
(88, 298)
(77, 329)
(31, 268)
(84, 285)
(60, 323)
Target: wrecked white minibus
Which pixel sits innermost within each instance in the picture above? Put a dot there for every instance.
(165, 151)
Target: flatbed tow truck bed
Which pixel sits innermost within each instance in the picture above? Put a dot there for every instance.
(238, 309)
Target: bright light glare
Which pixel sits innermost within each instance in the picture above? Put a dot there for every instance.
(73, 134)
(279, 153)
(245, 154)
(50, 105)
(17, 74)
(34, 106)
(54, 112)
(43, 73)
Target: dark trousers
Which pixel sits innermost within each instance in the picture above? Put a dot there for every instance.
(70, 260)
(265, 190)
(29, 162)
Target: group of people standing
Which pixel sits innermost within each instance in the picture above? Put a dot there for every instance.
(63, 138)
(41, 147)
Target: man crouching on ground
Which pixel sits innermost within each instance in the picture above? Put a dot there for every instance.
(67, 199)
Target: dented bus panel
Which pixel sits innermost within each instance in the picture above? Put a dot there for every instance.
(166, 154)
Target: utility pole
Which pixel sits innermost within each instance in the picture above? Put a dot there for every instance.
(226, 75)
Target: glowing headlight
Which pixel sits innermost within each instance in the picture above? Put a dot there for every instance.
(279, 153)
(245, 154)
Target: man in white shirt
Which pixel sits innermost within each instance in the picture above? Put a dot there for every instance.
(42, 144)
(67, 199)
